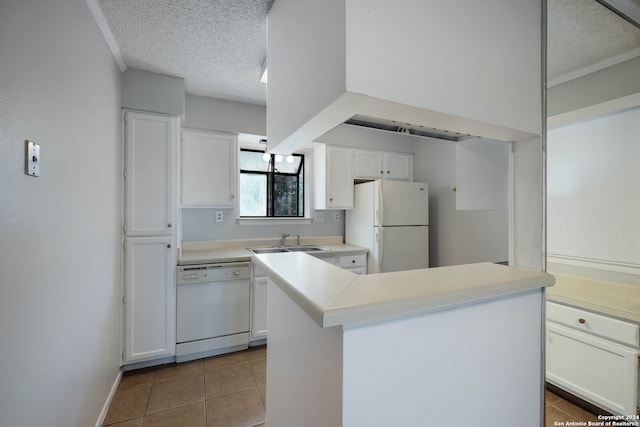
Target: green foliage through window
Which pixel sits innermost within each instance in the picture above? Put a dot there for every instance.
(271, 185)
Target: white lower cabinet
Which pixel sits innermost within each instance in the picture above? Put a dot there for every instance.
(149, 299)
(258, 325)
(356, 263)
(594, 357)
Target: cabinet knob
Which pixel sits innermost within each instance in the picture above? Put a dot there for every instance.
(388, 171)
(169, 245)
(582, 321)
(169, 225)
(353, 261)
(331, 199)
(381, 171)
(233, 196)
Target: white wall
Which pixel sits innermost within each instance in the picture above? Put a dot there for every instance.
(593, 205)
(146, 91)
(59, 233)
(202, 112)
(456, 236)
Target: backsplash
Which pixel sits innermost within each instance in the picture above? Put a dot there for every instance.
(200, 224)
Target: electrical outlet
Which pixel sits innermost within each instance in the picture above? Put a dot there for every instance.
(219, 217)
(319, 216)
(32, 161)
(336, 216)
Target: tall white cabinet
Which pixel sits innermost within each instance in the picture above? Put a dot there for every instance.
(149, 236)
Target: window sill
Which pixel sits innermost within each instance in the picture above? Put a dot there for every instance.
(272, 221)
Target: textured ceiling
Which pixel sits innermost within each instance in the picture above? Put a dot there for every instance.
(218, 46)
(581, 33)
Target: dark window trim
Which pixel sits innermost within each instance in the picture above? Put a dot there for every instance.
(270, 185)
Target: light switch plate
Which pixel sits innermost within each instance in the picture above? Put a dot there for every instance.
(336, 216)
(319, 216)
(32, 158)
(219, 217)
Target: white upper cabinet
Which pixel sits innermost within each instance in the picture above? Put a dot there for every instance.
(208, 169)
(150, 165)
(482, 175)
(383, 165)
(333, 170)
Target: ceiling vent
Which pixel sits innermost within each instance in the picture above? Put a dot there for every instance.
(407, 128)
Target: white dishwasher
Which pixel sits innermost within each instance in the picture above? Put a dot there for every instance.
(212, 313)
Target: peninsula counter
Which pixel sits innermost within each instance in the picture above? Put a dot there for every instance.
(435, 346)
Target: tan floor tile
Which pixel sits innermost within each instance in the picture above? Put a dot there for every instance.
(553, 414)
(263, 394)
(242, 409)
(128, 403)
(256, 353)
(575, 411)
(550, 397)
(136, 422)
(259, 369)
(192, 415)
(137, 377)
(223, 381)
(174, 370)
(176, 392)
(225, 360)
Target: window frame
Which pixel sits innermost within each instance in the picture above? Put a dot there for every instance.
(270, 174)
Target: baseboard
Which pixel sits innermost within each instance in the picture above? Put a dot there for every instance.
(107, 403)
(615, 267)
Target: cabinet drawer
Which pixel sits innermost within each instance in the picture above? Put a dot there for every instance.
(613, 329)
(348, 261)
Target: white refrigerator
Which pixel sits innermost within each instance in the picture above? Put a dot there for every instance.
(391, 219)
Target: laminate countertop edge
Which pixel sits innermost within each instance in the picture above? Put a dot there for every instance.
(335, 297)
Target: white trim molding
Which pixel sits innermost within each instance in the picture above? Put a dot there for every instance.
(609, 62)
(599, 264)
(96, 11)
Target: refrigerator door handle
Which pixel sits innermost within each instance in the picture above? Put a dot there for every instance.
(380, 207)
(379, 241)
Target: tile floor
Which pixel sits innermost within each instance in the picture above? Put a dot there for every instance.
(230, 391)
(222, 391)
(558, 411)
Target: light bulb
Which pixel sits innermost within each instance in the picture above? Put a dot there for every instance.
(278, 158)
(290, 158)
(266, 157)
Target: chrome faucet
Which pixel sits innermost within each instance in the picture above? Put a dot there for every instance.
(282, 239)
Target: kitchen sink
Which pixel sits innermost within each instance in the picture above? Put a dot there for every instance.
(268, 250)
(305, 249)
(287, 249)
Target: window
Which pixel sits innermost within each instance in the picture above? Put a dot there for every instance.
(271, 185)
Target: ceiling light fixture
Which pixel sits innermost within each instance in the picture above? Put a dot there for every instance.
(290, 158)
(266, 157)
(278, 158)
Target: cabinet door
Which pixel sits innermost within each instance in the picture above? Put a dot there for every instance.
(150, 145)
(208, 167)
(594, 369)
(259, 308)
(339, 179)
(482, 174)
(333, 170)
(149, 299)
(398, 166)
(368, 165)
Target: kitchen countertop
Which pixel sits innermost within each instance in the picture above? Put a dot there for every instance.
(205, 252)
(618, 300)
(332, 296)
